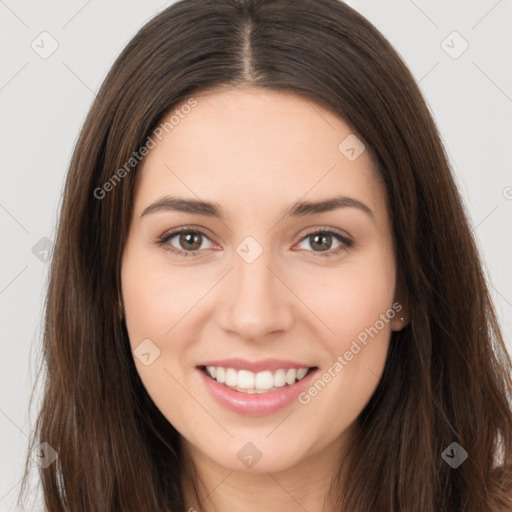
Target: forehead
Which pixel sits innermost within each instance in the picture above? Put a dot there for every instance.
(251, 149)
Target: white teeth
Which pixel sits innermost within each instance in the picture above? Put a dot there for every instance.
(261, 382)
(245, 379)
(280, 378)
(291, 374)
(264, 380)
(231, 378)
(221, 377)
(301, 372)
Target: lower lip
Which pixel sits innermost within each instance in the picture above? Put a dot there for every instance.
(256, 404)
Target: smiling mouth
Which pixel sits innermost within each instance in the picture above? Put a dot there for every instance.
(265, 381)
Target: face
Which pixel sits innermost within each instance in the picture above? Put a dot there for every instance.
(258, 287)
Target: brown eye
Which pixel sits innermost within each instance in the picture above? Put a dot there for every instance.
(190, 240)
(321, 243)
(184, 242)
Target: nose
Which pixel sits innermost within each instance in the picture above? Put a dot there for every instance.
(258, 303)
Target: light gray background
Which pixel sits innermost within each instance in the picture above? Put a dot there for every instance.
(44, 102)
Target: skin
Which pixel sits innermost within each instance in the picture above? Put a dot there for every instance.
(255, 152)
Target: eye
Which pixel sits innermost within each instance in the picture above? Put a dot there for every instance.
(322, 239)
(189, 239)
(190, 242)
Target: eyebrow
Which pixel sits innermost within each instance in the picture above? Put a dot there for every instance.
(212, 209)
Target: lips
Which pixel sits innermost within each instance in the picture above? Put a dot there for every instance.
(255, 388)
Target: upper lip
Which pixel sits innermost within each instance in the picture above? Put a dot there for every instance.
(256, 366)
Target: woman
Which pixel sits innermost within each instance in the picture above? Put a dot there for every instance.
(265, 293)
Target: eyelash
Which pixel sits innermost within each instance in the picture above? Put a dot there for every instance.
(346, 243)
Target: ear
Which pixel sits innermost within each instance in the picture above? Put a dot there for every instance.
(400, 306)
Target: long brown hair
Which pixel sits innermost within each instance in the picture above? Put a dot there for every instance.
(448, 374)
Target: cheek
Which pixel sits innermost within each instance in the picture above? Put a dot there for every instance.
(353, 300)
(155, 301)
(156, 298)
(356, 304)
(146, 313)
(166, 306)
(359, 313)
